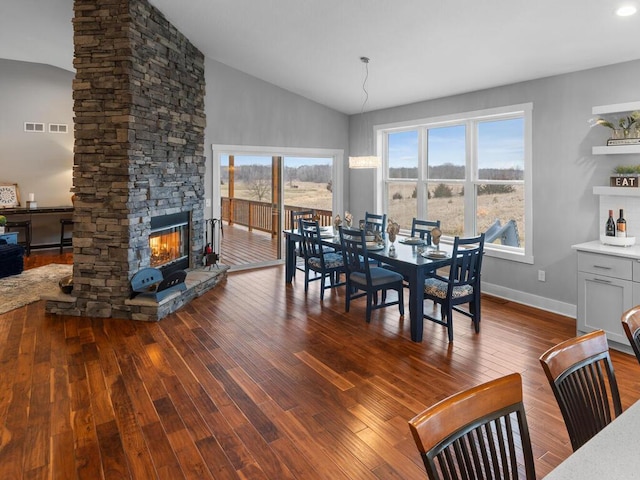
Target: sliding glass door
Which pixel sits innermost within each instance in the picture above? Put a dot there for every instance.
(254, 190)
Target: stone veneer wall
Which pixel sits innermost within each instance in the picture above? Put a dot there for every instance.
(139, 145)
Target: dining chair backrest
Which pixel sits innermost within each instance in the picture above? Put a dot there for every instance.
(422, 228)
(466, 262)
(581, 376)
(354, 251)
(631, 326)
(376, 223)
(481, 432)
(296, 215)
(311, 240)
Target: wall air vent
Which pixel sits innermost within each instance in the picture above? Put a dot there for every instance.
(34, 127)
(58, 128)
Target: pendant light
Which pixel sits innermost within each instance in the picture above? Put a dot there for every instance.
(367, 161)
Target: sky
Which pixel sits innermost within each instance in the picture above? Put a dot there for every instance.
(500, 145)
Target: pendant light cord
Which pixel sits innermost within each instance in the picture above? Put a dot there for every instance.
(365, 60)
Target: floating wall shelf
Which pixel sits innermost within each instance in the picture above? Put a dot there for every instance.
(615, 149)
(617, 191)
(616, 108)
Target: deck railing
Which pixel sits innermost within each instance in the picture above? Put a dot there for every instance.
(262, 216)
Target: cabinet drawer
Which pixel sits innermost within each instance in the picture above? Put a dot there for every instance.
(607, 265)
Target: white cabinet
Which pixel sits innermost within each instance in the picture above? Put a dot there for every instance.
(607, 286)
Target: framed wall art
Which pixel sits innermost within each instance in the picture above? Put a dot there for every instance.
(9, 195)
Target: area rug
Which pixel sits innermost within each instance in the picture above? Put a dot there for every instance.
(19, 290)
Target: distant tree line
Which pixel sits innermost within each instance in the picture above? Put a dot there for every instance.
(456, 172)
(303, 173)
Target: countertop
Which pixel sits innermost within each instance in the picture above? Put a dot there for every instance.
(595, 246)
(612, 454)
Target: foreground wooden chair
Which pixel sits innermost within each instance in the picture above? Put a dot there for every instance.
(581, 376)
(477, 433)
(631, 326)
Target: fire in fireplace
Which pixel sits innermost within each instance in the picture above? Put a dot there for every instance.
(169, 242)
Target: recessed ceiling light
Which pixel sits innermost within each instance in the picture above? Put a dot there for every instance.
(626, 11)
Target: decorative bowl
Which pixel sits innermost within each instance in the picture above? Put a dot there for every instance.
(66, 284)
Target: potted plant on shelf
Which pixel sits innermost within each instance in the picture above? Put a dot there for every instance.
(3, 222)
(628, 127)
(626, 176)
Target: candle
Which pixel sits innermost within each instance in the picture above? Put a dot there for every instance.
(32, 197)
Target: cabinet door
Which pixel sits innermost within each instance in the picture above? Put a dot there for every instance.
(601, 302)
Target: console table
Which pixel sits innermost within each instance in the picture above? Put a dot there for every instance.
(34, 211)
(45, 223)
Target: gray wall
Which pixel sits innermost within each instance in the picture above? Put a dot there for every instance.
(40, 163)
(243, 110)
(565, 211)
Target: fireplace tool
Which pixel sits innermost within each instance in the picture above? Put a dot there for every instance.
(212, 249)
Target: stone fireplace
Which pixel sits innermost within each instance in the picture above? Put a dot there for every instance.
(139, 148)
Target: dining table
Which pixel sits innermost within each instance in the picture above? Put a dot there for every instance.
(611, 454)
(409, 259)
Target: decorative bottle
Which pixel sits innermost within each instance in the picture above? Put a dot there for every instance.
(621, 225)
(610, 228)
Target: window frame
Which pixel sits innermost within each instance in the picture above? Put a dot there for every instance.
(471, 181)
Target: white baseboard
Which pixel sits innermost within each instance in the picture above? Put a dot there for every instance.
(543, 303)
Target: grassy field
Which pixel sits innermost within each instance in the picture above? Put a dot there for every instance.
(449, 211)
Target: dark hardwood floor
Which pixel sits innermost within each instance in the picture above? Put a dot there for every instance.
(256, 380)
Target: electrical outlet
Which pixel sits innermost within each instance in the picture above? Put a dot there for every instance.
(207, 203)
(542, 276)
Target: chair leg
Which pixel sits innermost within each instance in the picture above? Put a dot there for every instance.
(322, 279)
(476, 314)
(401, 300)
(306, 280)
(369, 303)
(347, 300)
(450, 322)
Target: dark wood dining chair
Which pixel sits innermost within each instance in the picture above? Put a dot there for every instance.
(461, 286)
(581, 376)
(478, 433)
(422, 228)
(294, 218)
(365, 278)
(327, 265)
(376, 223)
(631, 326)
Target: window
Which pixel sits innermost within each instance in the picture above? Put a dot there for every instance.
(470, 171)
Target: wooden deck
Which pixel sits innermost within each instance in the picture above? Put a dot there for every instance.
(241, 247)
(258, 380)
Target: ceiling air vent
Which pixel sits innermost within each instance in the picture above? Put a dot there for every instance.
(34, 127)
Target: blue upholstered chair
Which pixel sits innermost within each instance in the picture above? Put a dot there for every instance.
(325, 264)
(462, 285)
(365, 279)
(294, 222)
(422, 228)
(376, 223)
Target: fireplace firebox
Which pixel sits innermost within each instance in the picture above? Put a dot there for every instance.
(169, 242)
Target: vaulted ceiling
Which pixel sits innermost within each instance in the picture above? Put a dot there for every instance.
(418, 49)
